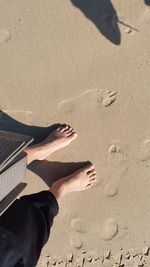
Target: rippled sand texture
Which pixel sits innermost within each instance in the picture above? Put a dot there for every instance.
(59, 63)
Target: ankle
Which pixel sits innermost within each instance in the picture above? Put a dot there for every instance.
(29, 153)
(58, 189)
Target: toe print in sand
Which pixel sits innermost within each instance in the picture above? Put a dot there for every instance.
(108, 97)
(5, 36)
(118, 152)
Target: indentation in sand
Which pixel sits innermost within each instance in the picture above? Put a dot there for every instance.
(117, 151)
(114, 148)
(78, 225)
(111, 189)
(5, 36)
(76, 241)
(104, 99)
(110, 229)
(125, 230)
(61, 264)
(67, 105)
(145, 150)
(108, 97)
(111, 177)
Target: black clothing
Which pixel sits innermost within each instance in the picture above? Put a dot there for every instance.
(25, 228)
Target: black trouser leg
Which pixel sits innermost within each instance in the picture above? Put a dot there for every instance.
(30, 219)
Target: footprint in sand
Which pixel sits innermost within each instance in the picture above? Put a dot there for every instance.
(110, 229)
(78, 225)
(145, 150)
(105, 98)
(117, 151)
(75, 241)
(111, 189)
(112, 177)
(108, 97)
(69, 105)
(5, 36)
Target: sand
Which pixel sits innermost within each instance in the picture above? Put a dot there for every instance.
(57, 66)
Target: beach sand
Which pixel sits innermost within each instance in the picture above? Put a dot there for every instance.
(57, 66)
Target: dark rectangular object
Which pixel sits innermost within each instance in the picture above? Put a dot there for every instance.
(9, 199)
(13, 162)
(11, 144)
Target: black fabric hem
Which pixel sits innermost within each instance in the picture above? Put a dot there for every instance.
(41, 199)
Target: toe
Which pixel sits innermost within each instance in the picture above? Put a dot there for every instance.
(69, 131)
(112, 93)
(72, 135)
(68, 128)
(89, 185)
(63, 128)
(92, 176)
(58, 129)
(91, 172)
(88, 168)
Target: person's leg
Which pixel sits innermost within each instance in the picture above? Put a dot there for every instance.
(30, 218)
(59, 138)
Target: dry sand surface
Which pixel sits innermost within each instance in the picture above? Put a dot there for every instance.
(57, 66)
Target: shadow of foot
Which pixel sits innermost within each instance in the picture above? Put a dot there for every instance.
(147, 2)
(103, 15)
(7, 123)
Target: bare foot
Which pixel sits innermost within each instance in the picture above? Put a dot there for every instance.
(59, 138)
(80, 180)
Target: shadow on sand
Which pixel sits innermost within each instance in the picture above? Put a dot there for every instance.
(103, 15)
(48, 171)
(147, 2)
